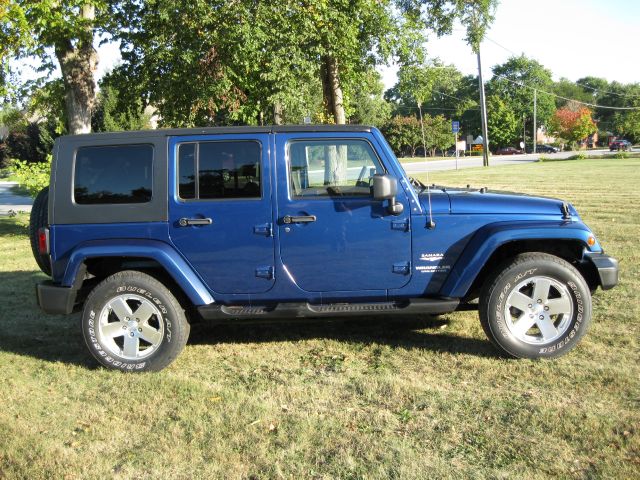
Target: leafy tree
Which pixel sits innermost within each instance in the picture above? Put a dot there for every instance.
(568, 89)
(440, 16)
(67, 30)
(403, 134)
(368, 105)
(572, 124)
(251, 62)
(437, 133)
(628, 125)
(514, 82)
(27, 140)
(502, 123)
(112, 114)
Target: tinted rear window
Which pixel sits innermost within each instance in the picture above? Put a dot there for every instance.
(114, 174)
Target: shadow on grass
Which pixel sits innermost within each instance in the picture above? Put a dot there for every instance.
(25, 330)
(10, 226)
(398, 332)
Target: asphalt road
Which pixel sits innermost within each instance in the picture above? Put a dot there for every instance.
(467, 162)
(10, 201)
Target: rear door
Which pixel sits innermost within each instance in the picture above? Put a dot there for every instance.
(220, 211)
(333, 235)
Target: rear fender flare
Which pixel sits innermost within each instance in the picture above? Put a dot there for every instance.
(490, 237)
(174, 264)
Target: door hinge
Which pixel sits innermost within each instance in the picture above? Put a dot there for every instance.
(402, 225)
(265, 272)
(402, 268)
(265, 229)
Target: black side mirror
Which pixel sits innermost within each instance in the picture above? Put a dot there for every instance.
(385, 187)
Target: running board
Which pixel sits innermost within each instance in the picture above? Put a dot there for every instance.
(419, 306)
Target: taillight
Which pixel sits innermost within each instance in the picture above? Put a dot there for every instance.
(43, 241)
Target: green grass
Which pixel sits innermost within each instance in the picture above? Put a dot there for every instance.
(426, 398)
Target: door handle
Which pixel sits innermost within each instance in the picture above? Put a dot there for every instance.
(298, 219)
(186, 222)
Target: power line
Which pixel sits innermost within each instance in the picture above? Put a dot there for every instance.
(503, 47)
(607, 92)
(522, 84)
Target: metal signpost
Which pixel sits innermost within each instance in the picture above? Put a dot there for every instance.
(455, 128)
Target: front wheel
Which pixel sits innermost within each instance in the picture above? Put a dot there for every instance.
(536, 305)
(132, 322)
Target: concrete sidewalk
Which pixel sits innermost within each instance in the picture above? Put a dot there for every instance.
(9, 200)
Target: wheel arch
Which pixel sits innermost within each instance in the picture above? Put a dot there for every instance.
(104, 258)
(495, 243)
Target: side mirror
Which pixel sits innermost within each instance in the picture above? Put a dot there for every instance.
(385, 187)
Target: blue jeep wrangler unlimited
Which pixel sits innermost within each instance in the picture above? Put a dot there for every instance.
(143, 230)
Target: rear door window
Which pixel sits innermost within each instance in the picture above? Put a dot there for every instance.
(219, 170)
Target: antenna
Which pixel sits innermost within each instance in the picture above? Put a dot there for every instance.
(430, 224)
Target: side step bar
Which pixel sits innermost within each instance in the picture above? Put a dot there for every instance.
(307, 310)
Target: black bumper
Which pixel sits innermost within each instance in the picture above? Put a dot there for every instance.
(607, 268)
(55, 299)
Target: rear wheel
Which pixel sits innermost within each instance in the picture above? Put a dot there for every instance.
(536, 305)
(38, 219)
(132, 322)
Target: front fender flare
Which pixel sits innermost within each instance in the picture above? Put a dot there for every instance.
(175, 265)
(490, 237)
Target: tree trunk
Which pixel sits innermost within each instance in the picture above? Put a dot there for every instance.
(277, 113)
(335, 167)
(78, 63)
(332, 91)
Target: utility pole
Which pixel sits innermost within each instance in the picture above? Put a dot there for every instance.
(524, 132)
(483, 115)
(535, 124)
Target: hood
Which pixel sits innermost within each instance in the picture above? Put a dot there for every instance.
(493, 202)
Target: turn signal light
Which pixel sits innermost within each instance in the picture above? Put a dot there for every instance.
(591, 241)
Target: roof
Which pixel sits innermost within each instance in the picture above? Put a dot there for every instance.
(168, 132)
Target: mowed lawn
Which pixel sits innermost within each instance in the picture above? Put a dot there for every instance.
(378, 398)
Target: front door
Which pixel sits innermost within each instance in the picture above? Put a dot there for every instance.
(220, 210)
(333, 235)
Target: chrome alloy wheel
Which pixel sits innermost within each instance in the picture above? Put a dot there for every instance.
(130, 326)
(538, 310)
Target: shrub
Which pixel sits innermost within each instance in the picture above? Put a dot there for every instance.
(32, 176)
(620, 155)
(543, 158)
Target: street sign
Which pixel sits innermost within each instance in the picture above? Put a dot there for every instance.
(455, 126)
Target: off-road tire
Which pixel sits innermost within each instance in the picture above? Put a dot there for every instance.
(135, 288)
(497, 322)
(39, 218)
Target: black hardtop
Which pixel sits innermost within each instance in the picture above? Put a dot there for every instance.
(170, 132)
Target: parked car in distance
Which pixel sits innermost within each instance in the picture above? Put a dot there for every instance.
(547, 149)
(144, 232)
(623, 145)
(508, 151)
